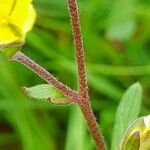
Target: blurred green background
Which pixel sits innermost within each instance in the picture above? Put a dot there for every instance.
(116, 37)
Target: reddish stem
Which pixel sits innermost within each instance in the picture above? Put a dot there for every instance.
(44, 74)
(83, 99)
(69, 93)
(86, 109)
(80, 97)
(75, 22)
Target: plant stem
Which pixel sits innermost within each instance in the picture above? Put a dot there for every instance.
(86, 109)
(44, 74)
(83, 99)
(75, 22)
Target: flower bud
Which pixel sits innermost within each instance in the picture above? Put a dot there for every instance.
(137, 136)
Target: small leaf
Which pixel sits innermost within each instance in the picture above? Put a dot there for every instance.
(46, 92)
(127, 111)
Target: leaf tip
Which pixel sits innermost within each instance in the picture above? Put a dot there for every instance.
(26, 91)
(137, 86)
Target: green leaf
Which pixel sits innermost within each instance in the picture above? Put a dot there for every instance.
(46, 92)
(77, 137)
(127, 111)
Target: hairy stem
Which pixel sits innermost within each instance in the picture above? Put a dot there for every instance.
(44, 74)
(75, 22)
(83, 99)
(86, 109)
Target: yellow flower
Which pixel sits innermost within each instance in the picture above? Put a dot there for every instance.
(137, 136)
(16, 19)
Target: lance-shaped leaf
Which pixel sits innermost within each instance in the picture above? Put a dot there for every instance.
(127, 111)
(46, 92)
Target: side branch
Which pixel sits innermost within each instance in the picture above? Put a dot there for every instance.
(74, 17)
(44, 74)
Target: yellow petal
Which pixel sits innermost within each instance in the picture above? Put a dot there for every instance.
(7, 36)
(16, 19)
(6, 6)
(23, 15)
(27, 26)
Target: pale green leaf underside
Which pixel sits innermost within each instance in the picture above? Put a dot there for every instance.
(127, 111)
(46, 92)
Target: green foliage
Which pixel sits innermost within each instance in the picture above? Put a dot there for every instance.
(77, 137)
(121, 21)
(46, 92)
(127, 111)
(36, 125)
